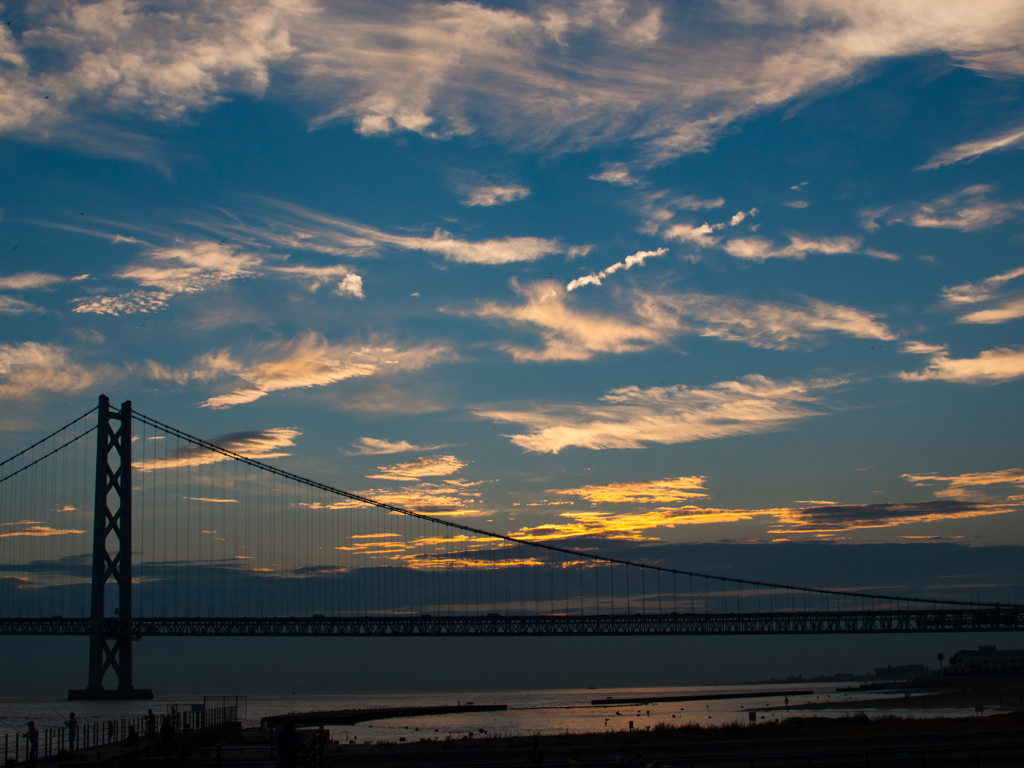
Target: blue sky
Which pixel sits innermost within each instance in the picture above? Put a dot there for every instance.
(597, 272)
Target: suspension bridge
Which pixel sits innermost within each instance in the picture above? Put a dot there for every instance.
(118, 526)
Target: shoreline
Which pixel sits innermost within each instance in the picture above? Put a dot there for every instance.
(1006, 698)
(806, 737)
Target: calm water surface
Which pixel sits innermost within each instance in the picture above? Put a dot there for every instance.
(529, 712)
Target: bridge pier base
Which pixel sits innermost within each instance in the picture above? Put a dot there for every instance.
(116, 694)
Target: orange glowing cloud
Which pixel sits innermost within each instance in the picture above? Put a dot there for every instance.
(426, 498)
(631, 526)
(426, 466)
(667, 491)
(431, 499)
(962, 487)
(821, 519)
(38, 530)
(254, 444)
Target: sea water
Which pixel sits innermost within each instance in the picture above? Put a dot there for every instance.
(529, 711)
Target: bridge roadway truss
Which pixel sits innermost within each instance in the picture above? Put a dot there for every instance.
(796, 623)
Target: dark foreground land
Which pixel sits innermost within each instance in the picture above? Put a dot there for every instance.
(996, 740)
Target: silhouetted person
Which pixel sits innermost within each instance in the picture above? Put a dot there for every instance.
(150, 723)
(133, 735)
(289, 742)
(33, 744)
(167, 733)
(536, 754)
(72, 724)
(110, 731)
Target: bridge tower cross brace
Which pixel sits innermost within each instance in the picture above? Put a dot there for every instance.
(110, 640)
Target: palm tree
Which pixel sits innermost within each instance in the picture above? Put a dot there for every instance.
(940, 657)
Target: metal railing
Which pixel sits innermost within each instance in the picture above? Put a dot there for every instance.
(52, 741)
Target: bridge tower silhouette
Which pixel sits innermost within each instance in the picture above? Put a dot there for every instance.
(110, 643)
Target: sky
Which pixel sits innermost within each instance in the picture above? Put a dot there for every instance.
(605, 273)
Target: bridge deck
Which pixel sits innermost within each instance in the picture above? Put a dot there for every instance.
(796, 623)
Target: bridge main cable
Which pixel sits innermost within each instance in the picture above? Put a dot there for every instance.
(48, 437)
(540, 545)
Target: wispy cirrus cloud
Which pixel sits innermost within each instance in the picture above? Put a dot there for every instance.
(117, 57)
(969, 210)
(701, 235)
(371, 446)
(272, 443)
(630, 417)
(167, 272)
(1015, 476)
(568, 333)
(670, 490)
(585, 73)
(506, 250)
(425, 466)
(493, 194)
(659, 207)
(197, 266)
(293, 226)
(921, 348)
(971, 150)
(616, 173)
(564, 77)
(308, 360)
(991, 366)
(770, 324)
(30, 369)
(964, 487)
(986, 291)
(1003, 313)
(799, 247)
(12, 306)
(30, 281)
(647, 319)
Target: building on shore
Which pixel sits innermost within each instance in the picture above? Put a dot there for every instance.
(902, 672)
(987, 660)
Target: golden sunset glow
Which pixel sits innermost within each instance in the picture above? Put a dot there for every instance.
(667, 491)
